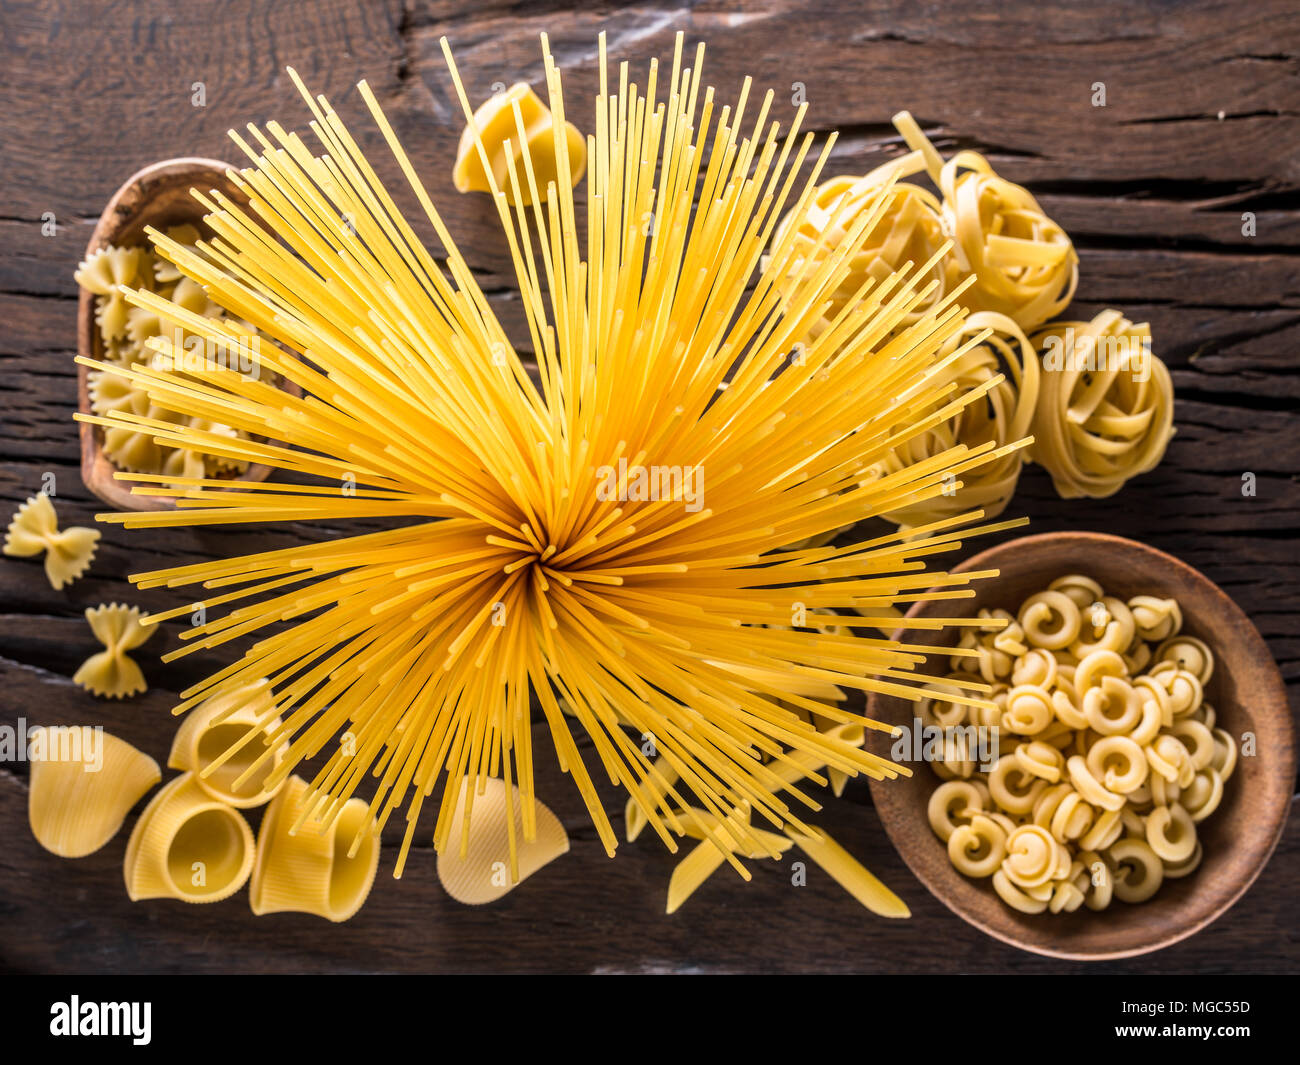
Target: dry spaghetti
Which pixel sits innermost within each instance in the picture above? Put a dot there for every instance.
(513, 574)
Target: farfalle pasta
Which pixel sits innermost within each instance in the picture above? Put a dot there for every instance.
(112, 672)
(1105, 410)
(1101, 771)
(104, 272)
(132, 336)
(35, 528)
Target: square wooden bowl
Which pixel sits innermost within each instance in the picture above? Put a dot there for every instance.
(1246, 691)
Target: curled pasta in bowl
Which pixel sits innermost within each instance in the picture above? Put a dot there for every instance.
(1114, 808)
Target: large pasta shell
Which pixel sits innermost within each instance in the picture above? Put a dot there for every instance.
(206, 743)
(496, 124)
(483, 875)
(82, 787)
(310, 871)
(188, 846)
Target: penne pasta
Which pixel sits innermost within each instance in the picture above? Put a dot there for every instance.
(851, 875)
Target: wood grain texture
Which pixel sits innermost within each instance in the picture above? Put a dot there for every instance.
(1152, 187)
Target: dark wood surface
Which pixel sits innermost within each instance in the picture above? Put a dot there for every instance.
(1202, 123)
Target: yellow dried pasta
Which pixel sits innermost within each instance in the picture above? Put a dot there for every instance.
(1105, 411)
(223, 742)
(83, 783)
(112, 672)
(35, 528)
(304, 865)
(504, 122)
(1023, 263)
(907, 235)
(1102, 772)
(104, 272)
(998, 418)
(188, 846)
(134, 335)
(489, 855)
(718, 839)
(128, 449)
(850, 874)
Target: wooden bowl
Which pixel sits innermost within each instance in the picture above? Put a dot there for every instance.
(159, 196)
(1246, 691)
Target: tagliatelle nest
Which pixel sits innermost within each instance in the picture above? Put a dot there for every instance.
(511, 577)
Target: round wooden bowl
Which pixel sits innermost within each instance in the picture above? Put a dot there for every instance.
(159, 196)
(1245, 690)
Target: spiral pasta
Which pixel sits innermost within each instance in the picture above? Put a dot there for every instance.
(1101, 772)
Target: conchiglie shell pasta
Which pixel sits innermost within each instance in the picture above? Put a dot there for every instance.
(223, 739)
(83, 783)
(188, 846)
(496, 124)
(306, 868)
(483, 874)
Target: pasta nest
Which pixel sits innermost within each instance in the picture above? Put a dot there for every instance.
(1024, 264)
(907, 235)
(1100, 421)
(1003, 369)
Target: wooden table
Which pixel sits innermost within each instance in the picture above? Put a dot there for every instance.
(1201, 124)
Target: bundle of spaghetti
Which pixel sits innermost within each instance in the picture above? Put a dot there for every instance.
(1023, 263)
(1002, 414)
(516, 573)
(910, 231)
